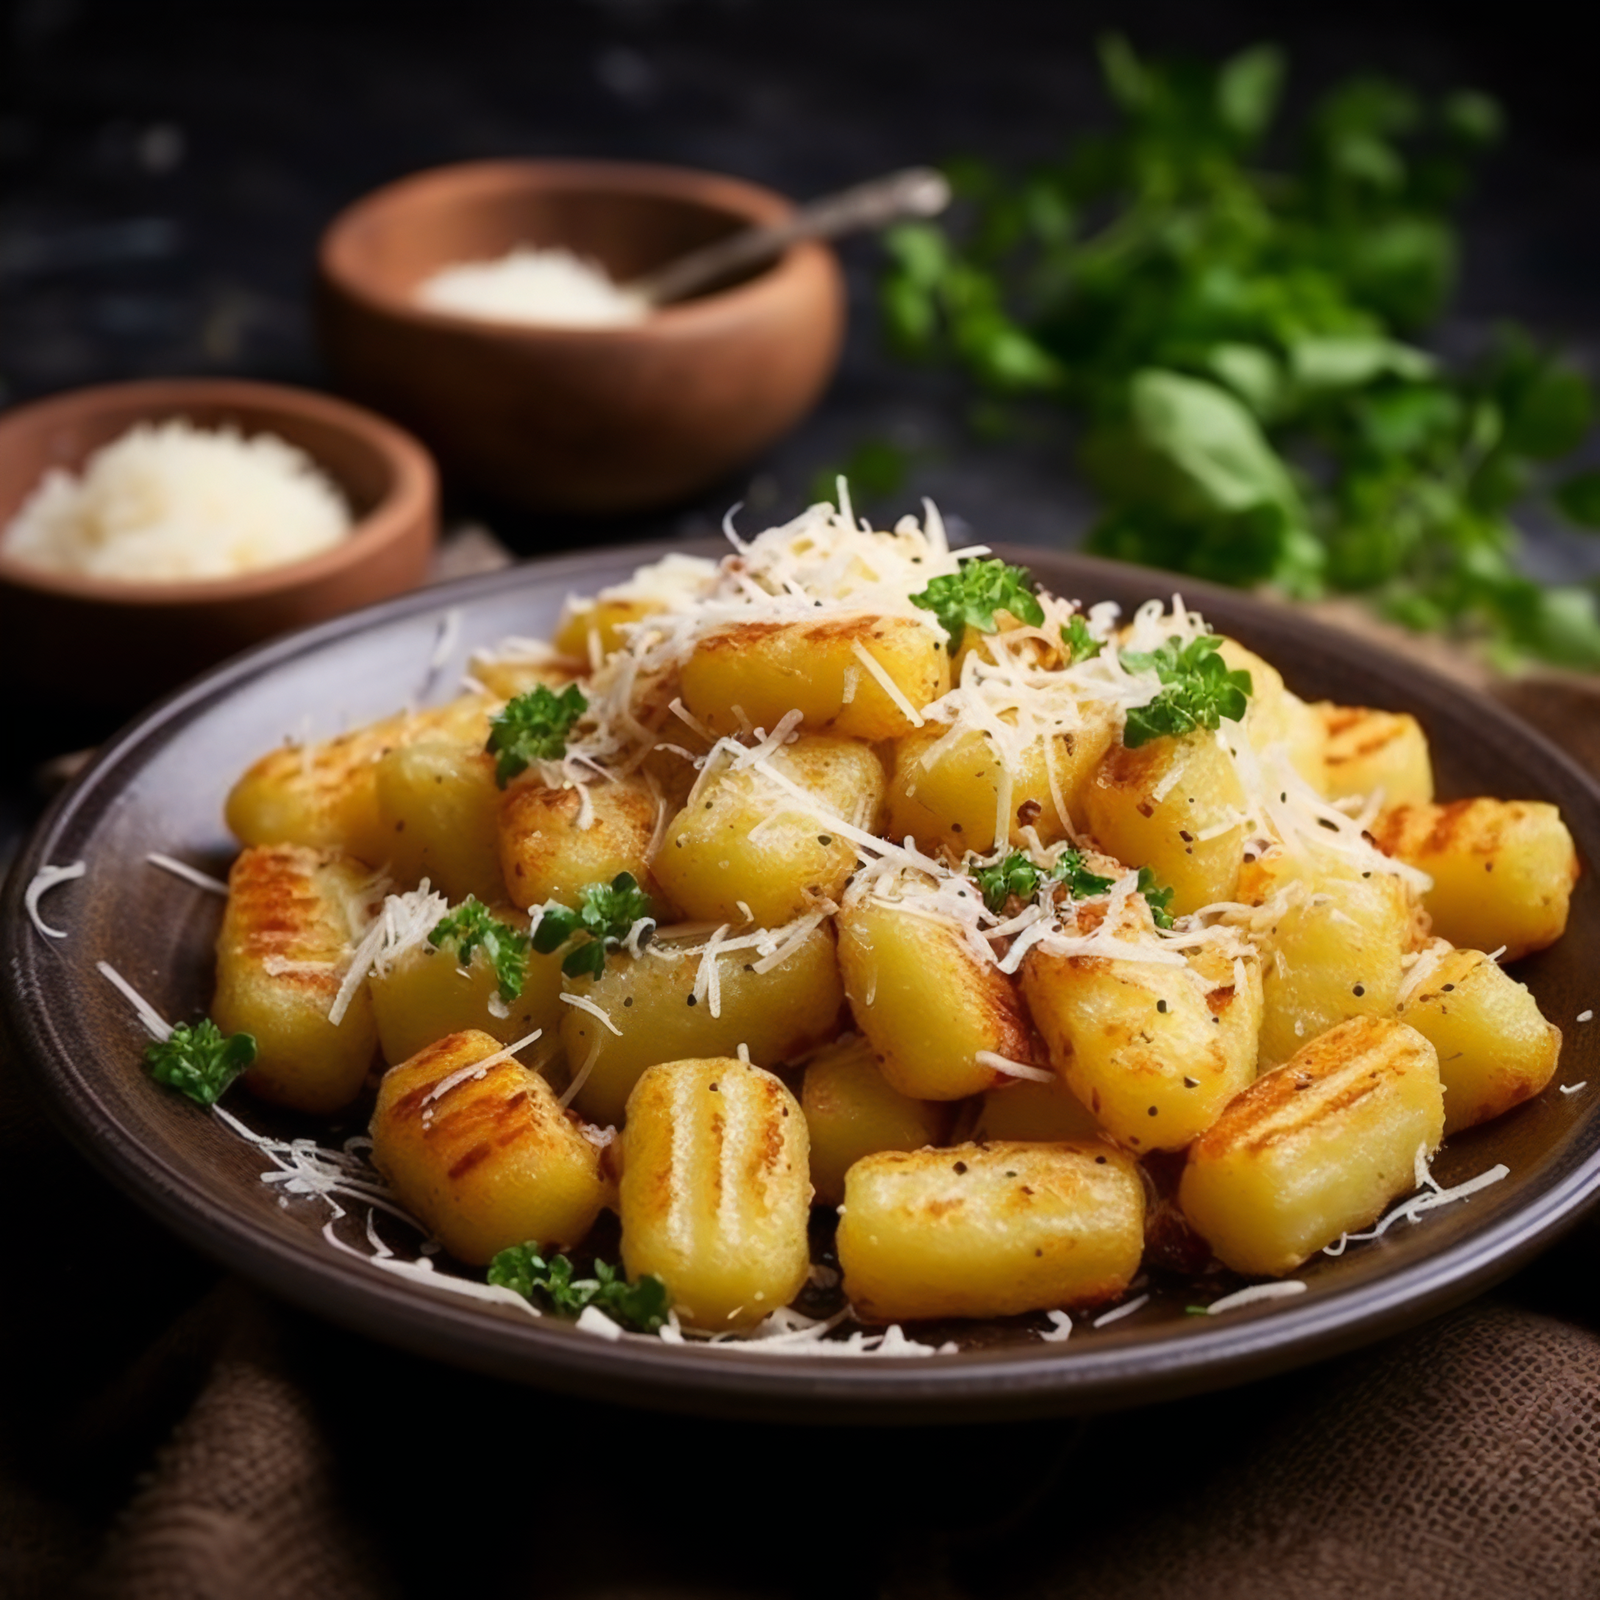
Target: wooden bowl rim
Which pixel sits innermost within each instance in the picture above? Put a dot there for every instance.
(411, 492)
(781, 280)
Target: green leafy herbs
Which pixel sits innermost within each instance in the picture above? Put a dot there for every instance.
(642, 1305)
(533, 727)
(969, 598)
(1157, 898)
(1081, 883)
(471, 925)
(605, 913)
(1233, 336)
(1081, 644)
(1197, 691)
(199, 1060)
(1017, 875)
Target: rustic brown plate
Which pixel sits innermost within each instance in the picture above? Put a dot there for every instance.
(160, 784)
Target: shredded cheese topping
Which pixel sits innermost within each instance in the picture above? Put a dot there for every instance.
(42, 882)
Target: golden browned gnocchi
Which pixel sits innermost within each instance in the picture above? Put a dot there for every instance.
(715, 1190)
(854, 888)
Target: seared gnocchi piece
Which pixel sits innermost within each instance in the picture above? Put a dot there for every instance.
(438, 805)
(749, 675)
(1276, 716)
(1502, 870)
(653, 1012)
(989, 1230)
(1317, 1148)
(1044, 1112)
(851, 1111)
(945, 793)
(547, 853)
(477, 1146)
(1495, 1048)
(505, 677)
(715, 1197)
(325, 795)
(426, 993)
(1335, 954)
(1177, 807)
(292, 918)
(929, 1007)
(1367, 751)
(746, 848)
(1154, 1050)
(591, 630)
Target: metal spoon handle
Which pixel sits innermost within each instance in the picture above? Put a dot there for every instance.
(916, 192)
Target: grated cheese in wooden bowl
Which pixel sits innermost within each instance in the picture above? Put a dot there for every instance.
(170, 502)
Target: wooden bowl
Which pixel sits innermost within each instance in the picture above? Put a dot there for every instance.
(108, 643)
(578, 419)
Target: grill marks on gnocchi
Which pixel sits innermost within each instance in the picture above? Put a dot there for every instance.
(803, 772)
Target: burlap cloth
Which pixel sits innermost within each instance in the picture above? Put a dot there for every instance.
(168, 1433)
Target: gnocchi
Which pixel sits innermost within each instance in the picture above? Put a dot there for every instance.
(812, 895)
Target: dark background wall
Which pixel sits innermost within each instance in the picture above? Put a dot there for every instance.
(167, 165)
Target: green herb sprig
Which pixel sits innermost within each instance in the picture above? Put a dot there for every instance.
(199, 1060)
(1081, 644)
(470, 925)
(605, 913)
(969, 598)
(533, 727)
(1082, 884)
(1198, 690)
(642, 1305)
(1017, 875)
(1233, 337)
(1157, 898)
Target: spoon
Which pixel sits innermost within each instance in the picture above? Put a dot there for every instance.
(916, 192)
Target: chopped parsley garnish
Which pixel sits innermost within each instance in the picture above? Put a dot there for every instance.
(1198, 690)
(199, 1060)
(1081, 644)
(470, 925)
(1081, 883)
(1156, 897)
(642, 1305)
(606, 911)
(1017, 875)
(533, 727)
(969, 598)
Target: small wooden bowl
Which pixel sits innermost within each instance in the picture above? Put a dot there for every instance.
(578, 419)
(108, 643)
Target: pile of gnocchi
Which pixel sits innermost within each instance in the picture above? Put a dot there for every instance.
(853, 871)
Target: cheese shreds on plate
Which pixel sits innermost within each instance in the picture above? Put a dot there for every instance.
(1036, 896)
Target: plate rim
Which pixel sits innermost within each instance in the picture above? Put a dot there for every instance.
(729, 1381)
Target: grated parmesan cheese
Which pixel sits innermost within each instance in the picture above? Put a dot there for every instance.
(42, 882)
(1122, 1311)
(172, 503)
(1284, 1289)
(548, 287)
(182, 869)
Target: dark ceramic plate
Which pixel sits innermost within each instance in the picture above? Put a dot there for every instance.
(160, 786)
